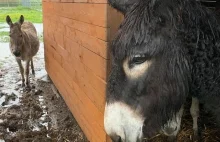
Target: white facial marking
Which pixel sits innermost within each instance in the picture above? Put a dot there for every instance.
(121, 120)
(137, 70)
(172, 127)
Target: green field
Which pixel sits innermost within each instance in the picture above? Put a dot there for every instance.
(34, 16)
(31, 15)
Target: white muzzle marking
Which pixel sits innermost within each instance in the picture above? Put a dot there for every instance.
(121, 120)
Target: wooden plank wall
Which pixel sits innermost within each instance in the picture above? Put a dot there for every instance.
(77, 34)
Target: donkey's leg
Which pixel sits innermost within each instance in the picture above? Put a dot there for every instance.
(173, 126)
(21, 69)
(194, 111)
(27, 73)
(32, 66)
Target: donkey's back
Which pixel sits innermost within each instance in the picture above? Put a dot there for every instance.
(29, 27)
(31, 38)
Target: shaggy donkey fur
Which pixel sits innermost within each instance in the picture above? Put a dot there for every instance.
(181, 41)
(24, 44)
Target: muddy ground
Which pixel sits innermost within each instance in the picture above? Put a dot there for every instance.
(39, 115)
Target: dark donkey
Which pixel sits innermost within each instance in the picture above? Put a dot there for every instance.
(24, 44)
(164, 51)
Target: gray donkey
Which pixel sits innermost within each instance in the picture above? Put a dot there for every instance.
(24, 44)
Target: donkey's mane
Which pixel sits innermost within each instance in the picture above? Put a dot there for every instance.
(148, 20)
(174, 32)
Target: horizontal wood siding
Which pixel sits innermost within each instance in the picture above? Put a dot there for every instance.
(77, 34)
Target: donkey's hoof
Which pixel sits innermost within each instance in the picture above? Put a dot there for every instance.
(33, 72)
(27, 88)
(27, 84)
(171, 139)
(22, 85)
(196, 137)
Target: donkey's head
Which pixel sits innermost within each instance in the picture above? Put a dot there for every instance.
(150, 71)
(16, 36)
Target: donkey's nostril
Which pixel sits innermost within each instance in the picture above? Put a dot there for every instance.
(16, 53)
(116, 138)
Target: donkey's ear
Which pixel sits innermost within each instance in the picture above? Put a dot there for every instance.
(21, 20)
(122, 5)
(8, 20)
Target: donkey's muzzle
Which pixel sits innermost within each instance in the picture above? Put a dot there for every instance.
(17, 53)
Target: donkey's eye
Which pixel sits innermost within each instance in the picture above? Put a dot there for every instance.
(136, 66)
(138, 59)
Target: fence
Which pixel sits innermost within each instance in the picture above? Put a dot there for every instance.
(33, 4)
(9, 3)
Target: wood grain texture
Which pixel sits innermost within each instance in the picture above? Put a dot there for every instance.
(77, 36)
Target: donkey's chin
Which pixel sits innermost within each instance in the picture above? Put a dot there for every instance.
(18, 57)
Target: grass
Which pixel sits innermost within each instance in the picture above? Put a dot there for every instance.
(4, 33)
(31, 15)
(34, 16)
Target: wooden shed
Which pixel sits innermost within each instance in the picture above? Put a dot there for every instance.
(77, 34)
